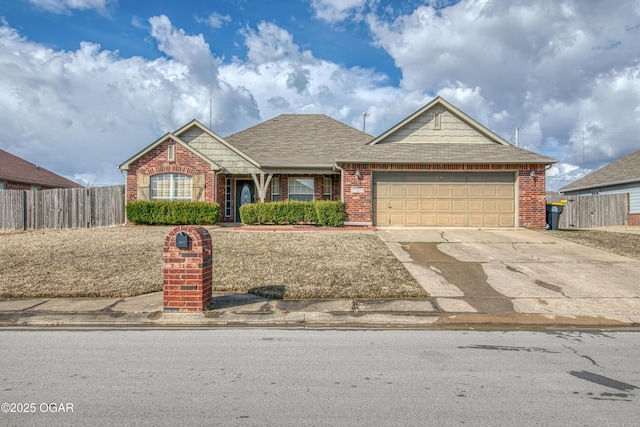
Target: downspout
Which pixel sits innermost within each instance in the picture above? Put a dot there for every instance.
(335, 166)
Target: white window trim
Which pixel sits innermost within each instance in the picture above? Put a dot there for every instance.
(327, 184)
(275, 189)
(227, 198)
(312, 193)
(172, 177)
(171, 153)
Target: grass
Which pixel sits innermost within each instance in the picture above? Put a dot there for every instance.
(127, 261)
(625, 244)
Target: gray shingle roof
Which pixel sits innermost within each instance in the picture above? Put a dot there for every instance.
(626, 169)
(448, 153)
(298, 139)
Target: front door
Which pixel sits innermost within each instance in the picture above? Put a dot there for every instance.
(245, 193)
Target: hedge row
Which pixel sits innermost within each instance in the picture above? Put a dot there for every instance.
(156, 212)
(320, 212)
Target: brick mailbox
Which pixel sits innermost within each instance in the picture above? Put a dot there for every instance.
(187, 269)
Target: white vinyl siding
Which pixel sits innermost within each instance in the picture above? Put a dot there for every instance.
(301, 189)
(171, 186)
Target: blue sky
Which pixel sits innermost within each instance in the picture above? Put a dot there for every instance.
(84, 84)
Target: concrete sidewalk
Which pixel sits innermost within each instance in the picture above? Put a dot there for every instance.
(252, 311)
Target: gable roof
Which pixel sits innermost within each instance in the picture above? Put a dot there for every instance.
(290, 140)
(441, 103)
(217, 138)
(15, 169)
(622, 171)
(126, 164)
(412, 141)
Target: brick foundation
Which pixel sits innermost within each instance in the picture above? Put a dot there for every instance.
(634, 219)
(187, 272)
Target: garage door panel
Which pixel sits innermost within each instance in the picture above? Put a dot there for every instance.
(427, 191)
(412, 205)
(459, 191)
(506, 191)
(412, 191)
(443, 191)
(443, 205)
(474, 206)
(459, 206)
(475, 191)
(444, 199)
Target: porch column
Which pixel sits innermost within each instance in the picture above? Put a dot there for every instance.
(261, 184)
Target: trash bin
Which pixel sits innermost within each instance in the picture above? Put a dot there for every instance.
(553, 215)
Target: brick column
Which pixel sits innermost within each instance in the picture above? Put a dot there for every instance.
(187, 271)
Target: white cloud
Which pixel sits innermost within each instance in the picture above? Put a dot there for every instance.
(215, 20)
(81, 113)
(334, 11)
(66, 6)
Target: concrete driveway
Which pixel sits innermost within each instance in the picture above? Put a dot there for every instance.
(501, 271)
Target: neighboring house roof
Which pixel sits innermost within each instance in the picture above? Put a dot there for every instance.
(622, 171)
(295, 140)
(15, 169)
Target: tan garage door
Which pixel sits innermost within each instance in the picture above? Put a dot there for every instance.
(460, 199)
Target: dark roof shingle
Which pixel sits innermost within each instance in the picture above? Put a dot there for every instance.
(298, 139)
(445, 153)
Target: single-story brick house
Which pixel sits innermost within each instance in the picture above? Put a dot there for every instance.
(438, 167)
(621, 176)
(19, 174)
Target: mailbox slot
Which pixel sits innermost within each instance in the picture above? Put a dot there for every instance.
(182, 240)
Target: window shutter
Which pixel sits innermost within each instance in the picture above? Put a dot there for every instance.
(197, 194)
(143, 187)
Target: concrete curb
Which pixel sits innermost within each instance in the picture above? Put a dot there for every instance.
(212, 319)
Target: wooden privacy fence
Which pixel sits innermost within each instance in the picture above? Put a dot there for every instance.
(603, 210)
(62, 208)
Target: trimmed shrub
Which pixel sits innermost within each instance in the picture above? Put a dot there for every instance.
(156, 212)
(320, 212)
(330, 213)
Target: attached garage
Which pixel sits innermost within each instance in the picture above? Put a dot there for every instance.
(444, 199)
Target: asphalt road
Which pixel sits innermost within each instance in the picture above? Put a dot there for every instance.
(318, 377)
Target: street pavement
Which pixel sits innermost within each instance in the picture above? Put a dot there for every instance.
(489, 278)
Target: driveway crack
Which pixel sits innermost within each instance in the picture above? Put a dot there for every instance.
(574, 351)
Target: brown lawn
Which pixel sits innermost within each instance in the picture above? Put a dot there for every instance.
(127, 261)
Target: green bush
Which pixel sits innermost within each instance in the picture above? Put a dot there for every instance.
(330, 213)
(320, 212)
(157, 212)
